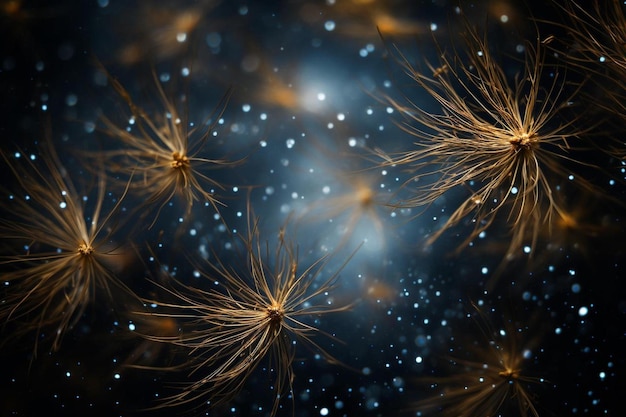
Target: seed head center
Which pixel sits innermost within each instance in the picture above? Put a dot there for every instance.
(365, 196)
(85, 249)
(275, 314)
(179, 160)
(509, 374)
(524, 140)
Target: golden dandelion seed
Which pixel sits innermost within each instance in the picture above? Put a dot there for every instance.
(165, 156)
(56, 255)
(256, 314)
(507, 142)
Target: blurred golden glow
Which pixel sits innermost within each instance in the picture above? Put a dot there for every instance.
(161, 32)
